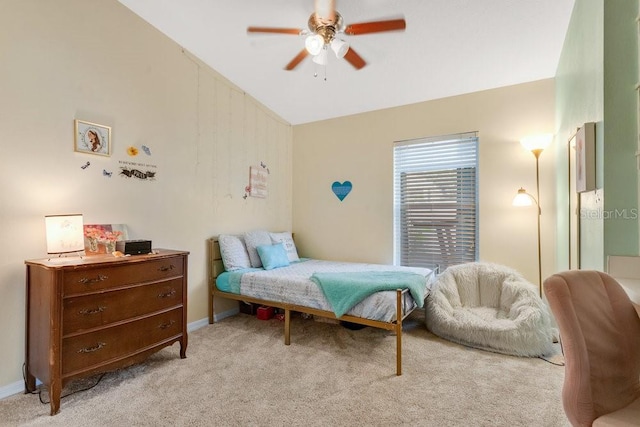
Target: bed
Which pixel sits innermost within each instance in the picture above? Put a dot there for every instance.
(302, 286)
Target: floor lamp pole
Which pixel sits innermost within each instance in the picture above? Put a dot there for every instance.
(536, 153)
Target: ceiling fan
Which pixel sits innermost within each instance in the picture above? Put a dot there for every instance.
(325, 25)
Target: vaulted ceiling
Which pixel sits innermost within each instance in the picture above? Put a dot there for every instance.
(450, 47)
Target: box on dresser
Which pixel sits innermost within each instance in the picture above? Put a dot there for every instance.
(100, 313)
(134, 247)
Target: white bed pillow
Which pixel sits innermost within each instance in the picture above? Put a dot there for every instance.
(289, 245)
(252, 240)
(234, 252)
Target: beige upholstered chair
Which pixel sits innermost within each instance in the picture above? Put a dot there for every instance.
(600, 336)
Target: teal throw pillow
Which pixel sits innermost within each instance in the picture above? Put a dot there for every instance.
(273, 256)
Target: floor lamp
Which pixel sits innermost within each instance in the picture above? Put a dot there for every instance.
(536, 144)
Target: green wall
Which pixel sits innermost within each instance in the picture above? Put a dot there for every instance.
(595, 82)
(620, 116)
(579, 99)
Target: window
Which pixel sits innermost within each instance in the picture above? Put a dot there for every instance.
(435, 194)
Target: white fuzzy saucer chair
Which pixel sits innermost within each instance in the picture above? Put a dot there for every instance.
(491, 307)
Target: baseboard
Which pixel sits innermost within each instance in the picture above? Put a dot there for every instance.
(11, 389)
(223, 315)
(18, 386)
(197, 324)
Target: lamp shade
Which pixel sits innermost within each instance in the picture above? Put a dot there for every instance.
(64, 233)
(536, 142)
(314, 44)
(339, 47)
(523, 198)
(321, 58)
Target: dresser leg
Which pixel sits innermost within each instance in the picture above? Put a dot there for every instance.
(183, 347)
(55, 390)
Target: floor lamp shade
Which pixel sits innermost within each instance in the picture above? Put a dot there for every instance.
(523, 198)
(64, 233)
(536, 142)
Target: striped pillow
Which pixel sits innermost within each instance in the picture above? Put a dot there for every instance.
(234, 252)
(252, 240)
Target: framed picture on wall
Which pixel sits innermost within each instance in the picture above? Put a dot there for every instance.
(92, 138)
(586, 158)
(258, 182)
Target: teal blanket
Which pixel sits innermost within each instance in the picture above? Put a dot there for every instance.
(344, 290)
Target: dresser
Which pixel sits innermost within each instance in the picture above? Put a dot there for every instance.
(99, 313)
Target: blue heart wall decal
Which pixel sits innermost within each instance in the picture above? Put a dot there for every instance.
(341, 190)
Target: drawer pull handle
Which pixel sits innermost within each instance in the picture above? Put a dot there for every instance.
(169, 294)
(100, 278)
(167, 267)
(167, 325)
(92, 349)
(90, 311)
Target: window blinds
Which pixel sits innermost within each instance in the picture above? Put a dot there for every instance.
(435, 194)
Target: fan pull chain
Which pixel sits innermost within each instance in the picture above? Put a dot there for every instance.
(315, 72)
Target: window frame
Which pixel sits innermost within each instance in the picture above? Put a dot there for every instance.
(446, 236)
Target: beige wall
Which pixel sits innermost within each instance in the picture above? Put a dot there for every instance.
(359, 148)
(97, 61)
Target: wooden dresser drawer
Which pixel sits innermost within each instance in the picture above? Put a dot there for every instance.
(93, 279)
(90, 311)
(82, 352)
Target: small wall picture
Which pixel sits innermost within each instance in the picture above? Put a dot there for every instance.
(258, 182)
(92, 138)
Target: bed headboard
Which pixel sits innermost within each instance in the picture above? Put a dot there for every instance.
(215, 265)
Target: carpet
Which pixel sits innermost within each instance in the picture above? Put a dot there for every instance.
(239, 372)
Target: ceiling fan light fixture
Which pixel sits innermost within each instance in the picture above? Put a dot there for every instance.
(321, 58)
(339, 47)
(324, 24)
(314, 44)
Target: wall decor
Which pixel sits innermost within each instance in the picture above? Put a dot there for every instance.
(258, 181)
(264, 166)
(86, 165)
(92, 138)
(137, 173)
(341, 190)
(586, 158)
(138, 170)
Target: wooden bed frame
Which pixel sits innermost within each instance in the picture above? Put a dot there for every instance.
(216, 267)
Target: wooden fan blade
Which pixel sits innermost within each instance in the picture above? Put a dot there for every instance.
(375, 27)
(354, 59)
(295, 61)
(295, 31)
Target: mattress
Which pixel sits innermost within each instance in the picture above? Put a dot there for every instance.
(292, 285)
